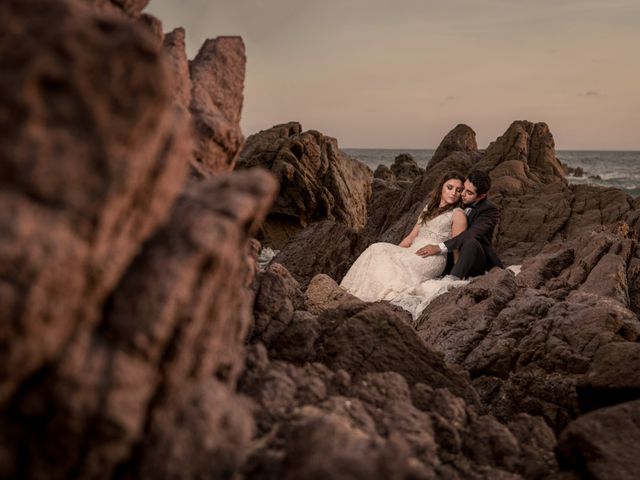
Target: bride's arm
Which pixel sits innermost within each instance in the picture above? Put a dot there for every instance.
(408, 240)
(458, 225)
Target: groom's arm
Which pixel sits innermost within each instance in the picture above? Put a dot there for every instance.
(483, 224)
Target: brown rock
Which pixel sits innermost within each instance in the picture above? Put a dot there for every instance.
(361, 337)
(462, 139)
(174, 49)
(405, 168)
(327, 247)
(530, 149)
(602, 444)
(131, 8)
(176, 321)
(85, 182)
(613, 377)
(323, 293)
(527, 342)
(383, 172)
(217, 76)
(317, 180)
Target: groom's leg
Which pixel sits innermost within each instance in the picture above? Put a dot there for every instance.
(471, 261)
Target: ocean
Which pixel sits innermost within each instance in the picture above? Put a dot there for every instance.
(616, 169)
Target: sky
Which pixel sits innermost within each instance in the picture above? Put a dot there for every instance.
(401, 74)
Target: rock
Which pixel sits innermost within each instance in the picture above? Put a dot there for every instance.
(578, 172)
(278, 296)
(131, 8)
(527, 342)
(217, 77)
(174, 49)
(357, 420)
(196, 440)
(84, 182)
(613, 377)
(323, 293)
(327, 246)
(384, 173)
(317, 181)
(177, 319)
(462, 139)
(362, 337)
(601, 444)
(405, 167)
(521, 158)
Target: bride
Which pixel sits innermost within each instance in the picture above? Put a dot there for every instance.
(396, 273)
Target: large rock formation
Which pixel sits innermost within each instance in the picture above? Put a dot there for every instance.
(317, 180)
(217, 74)
(356, 385)
(91, 165)
(124, 310)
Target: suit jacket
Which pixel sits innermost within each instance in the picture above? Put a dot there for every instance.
(482, 220)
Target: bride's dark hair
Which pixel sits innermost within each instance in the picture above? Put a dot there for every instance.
(432, 209)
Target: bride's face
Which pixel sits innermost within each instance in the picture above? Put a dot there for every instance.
(451, 191)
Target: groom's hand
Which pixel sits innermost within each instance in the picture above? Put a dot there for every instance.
(428, 250)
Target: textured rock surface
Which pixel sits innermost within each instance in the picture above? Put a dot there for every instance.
(319, 422)
(459, 141)
(528, 341)
(217, 76)
(124, 310)
(317, 180)
(603, 444)
(91, 165)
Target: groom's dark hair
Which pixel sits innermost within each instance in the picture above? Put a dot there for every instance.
(481, 180)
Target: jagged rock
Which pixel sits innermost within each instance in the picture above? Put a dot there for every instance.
(578, 172)
(613, 377)
(323, 293)
(174, 49)
(527, 342)
(327, 247)
(602, 444)
(317, 180)
(131, 8)
(84, 182)
(217, 77)
(176, 320)
(461, 140)
(405, 168)
(356, 421)
(278, 296)
(523, 157)
(383, 172)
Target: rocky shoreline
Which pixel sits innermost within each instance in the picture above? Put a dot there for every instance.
(141, 339)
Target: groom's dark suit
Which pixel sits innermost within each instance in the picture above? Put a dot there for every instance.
(477, 254)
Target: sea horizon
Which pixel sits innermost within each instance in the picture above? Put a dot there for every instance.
(607, 168)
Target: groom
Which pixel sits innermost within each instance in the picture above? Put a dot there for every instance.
(477, 254)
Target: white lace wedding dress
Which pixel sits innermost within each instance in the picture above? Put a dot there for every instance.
(389, 272)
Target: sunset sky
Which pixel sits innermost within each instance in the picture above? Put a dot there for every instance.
(382, 74)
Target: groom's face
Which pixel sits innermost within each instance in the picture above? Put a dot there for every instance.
(470, 193)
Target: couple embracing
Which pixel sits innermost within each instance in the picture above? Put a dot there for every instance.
(452, 237)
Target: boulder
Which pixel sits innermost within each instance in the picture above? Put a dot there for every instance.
(405, 168)
(602, 444)
(217, 77)
(460, 140)
(327, 247)
(125, 302)
(527, 341)
(317, 181)
(91, 166)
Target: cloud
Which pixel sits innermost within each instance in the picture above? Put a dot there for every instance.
(592, 93)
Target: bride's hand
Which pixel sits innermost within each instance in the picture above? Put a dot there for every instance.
(428, 250)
